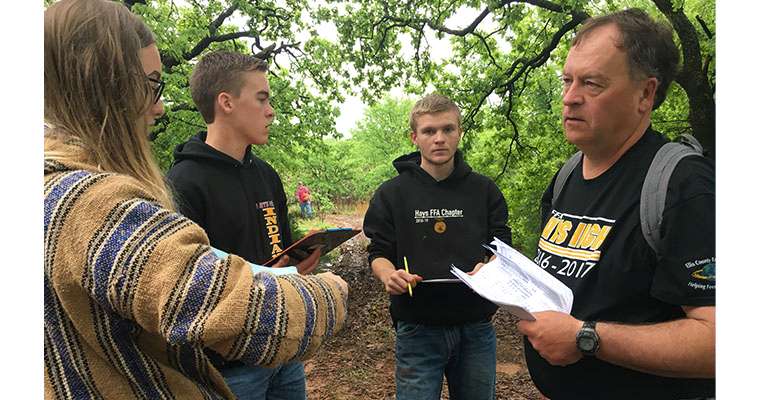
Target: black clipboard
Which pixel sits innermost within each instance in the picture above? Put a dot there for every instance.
(327, 240)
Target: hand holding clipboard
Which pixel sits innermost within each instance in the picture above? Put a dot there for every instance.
(324, 240)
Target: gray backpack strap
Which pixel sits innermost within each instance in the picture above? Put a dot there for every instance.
(653, 197)
(691, 141)
(563, 175)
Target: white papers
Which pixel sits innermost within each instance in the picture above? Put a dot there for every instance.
(259, 268)
(517, 284)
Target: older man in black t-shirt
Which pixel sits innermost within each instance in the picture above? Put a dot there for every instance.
(642, 324)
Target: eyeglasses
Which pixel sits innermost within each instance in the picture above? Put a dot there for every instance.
(158, 85)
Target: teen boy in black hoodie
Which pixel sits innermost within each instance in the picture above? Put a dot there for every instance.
(235, 197)
(437, 212)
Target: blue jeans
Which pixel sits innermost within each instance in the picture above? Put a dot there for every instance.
(307, 209)
(466, 354)
(286, 382)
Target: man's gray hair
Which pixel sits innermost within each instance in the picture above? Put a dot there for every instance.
(649, 47)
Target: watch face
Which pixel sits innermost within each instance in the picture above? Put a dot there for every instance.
(586, 343)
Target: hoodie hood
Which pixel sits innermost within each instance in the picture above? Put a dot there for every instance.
(197, 150)
(411, 163)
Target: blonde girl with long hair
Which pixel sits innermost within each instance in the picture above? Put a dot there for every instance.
(135, 300)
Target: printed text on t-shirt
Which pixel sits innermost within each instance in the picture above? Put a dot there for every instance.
(436, 213)
(271, 224)
(571, 244)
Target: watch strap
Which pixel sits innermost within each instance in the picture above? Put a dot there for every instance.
(588, 331)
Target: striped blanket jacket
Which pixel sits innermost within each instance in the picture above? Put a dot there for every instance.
(136, 301)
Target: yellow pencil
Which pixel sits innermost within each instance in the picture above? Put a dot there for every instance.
(409, 286)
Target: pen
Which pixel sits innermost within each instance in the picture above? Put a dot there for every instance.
(409, 287)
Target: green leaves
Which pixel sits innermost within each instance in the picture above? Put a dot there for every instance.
(502, 70)
(305, 91)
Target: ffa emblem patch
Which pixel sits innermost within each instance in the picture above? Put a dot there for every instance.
(440, 226)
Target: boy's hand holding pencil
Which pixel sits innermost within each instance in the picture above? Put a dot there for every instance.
(409, 286)
(401, 281)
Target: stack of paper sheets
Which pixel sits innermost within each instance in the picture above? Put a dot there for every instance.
(517, 284)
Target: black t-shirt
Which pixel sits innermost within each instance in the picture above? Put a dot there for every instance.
(592, 241)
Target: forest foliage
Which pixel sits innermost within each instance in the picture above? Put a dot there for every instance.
(502, 67)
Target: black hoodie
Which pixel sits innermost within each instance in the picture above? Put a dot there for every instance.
(240, 205)
(436, 224)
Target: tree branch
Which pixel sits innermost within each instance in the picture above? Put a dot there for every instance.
(198, 5)
(509, 116)
(548, 5)
(418, 58)
(164, 121)
(208, 40)
(169, 61)
(216, 24)
(701, 101)
(472, 26)
(488, 48)
(439, 27)
(537, 61)
(704, 27)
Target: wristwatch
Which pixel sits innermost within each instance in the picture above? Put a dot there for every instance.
(587, 339)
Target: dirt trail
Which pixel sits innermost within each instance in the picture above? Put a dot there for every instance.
(359, 362)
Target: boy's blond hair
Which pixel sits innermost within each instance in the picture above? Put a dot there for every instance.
(431, 104)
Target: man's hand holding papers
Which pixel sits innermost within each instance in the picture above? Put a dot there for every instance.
(517, 284)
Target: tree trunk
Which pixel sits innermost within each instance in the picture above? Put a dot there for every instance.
(692, 78)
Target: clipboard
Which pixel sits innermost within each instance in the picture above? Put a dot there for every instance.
(327, 240)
